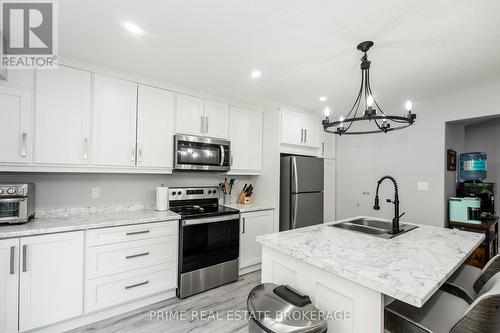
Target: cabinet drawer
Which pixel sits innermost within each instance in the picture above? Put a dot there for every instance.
(115, 235)
(121, 257)
(120, 288)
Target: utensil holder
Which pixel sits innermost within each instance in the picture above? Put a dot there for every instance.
(226, 199)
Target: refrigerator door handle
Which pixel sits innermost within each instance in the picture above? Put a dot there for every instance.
(295, 176)
(294, 212)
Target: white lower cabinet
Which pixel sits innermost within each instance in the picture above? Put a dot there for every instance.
(252, 225)
(9, 284)
(51, 279)
(129, 262)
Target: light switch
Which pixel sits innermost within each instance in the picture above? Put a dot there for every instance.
(96, 192)
(423, 186)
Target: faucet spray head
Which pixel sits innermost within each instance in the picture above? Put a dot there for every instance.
(377, 203)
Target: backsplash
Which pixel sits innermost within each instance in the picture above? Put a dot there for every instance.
(70, 190)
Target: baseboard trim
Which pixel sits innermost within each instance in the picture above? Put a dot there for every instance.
(249, 269)
(94, 317)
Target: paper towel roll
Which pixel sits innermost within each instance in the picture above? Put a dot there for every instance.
(162, 198)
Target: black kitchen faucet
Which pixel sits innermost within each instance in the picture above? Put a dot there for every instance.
(395, 221)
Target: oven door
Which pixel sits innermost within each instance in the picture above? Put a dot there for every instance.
(199, 153)
(13, 210)
(208, 241)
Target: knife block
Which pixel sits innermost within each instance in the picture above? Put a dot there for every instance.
(243, 199)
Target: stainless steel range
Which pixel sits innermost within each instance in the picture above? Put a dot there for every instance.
(208, 239)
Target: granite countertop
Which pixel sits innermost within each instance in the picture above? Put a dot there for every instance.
(63, 221)
(410, 267)
(253, 207)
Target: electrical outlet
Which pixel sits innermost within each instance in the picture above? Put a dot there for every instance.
(423, 186)
(96, 192)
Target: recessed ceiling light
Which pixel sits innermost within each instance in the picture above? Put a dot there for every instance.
(256, 74)
(133, 28)
(322, 98)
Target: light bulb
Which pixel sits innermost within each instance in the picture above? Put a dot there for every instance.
(327, 112)
(341, 119)
(369, 101)
(408, 106)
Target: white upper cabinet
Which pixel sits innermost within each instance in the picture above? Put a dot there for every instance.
(190, 115)
(9, 284)
(16, 123)
(62, 116)
(245, 134)
(155, 127)
(114, 122)
(311, 131)
(216, 120)
(51, 279)
(291, 127)
(328, 140)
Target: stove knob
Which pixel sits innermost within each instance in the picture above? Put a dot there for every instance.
(214, 191)
(209, 192)
(179, 193)
(11, 190)
(1, 190)
(174, 193)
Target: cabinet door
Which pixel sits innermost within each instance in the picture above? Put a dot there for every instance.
(216, 120)
(245, 127)
(311, 131)
(15, 120)
(252, 225)
(190, 115)
(291, 127)
(327, 149)
(62, 114)
(329, 191)
(155, 127)
(51, 279)
(114, 122)
(9, 280)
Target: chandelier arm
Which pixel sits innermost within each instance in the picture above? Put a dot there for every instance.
(371, 93)
(357, 98)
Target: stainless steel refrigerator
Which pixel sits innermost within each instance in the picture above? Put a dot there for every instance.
(301, 191)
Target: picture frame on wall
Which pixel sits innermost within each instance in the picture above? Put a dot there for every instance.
(451, 160)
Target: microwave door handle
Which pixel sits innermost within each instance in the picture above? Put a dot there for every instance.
(222, 155)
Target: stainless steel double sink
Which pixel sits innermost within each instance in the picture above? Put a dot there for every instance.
(376, 228)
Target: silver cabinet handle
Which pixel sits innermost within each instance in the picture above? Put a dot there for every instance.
(243, 220)
(12, 258)
(132, 156)
(137, 284)
(322, 148)
(301, 135)
(25, 258)
(202, 124)
(23, 144)
(139, 153)
(206, 125)
(85, 148)
(305, 136)
(137, 255)
(137, 232)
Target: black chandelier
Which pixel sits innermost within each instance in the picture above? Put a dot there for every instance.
(381, 120)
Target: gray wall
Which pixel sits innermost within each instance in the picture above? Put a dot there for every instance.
(455, 139)
(411, 155)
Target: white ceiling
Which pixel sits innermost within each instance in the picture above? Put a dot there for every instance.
(305, 49)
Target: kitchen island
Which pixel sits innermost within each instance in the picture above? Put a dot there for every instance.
(354, 275)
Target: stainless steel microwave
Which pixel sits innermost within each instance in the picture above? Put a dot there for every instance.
(196, 153)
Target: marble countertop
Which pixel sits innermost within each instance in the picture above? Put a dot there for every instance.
(410, 267)
(48, 223)
(253, 207)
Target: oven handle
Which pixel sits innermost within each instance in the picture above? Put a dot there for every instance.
(12, 200)
(211, 220)
(222, 155)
